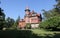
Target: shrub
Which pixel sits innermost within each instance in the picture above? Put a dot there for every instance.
(52, 23)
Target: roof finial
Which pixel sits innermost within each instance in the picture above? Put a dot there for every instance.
(27, 7)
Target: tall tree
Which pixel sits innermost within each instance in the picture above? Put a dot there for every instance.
(2, 19)
(54, 11)
(18, 19)
(46, 14)
(9, 22)
(53, 18)
(16, 22)
(58, 5)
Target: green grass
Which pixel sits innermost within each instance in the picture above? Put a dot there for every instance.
(41, 32)
(30, 33)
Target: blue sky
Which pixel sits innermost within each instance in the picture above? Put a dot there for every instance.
(15, 8)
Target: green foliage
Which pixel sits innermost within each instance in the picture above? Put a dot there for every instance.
(18, 19)
(52, 17)
(9, 22)
(53, 12)
(47, 14)
(52, 23)
(2, 19)
(28, 26)
(16, 22)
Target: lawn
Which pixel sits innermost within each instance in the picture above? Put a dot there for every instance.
(41, 32)
(32, 33)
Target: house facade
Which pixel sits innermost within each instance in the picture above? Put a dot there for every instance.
(30, 17)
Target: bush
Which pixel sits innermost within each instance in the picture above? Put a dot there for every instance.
(28, 26)
(52, 23)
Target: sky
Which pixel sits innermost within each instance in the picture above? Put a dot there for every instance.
(15, 8)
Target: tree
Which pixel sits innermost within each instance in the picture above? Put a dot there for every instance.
(17, 21)
(58, 5)
(47, 14)
(9, 22)
(52, 18)
(28, 26)
(53, 12)
(2, 19)
(52, 23)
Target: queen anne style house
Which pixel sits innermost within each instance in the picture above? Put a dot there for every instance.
(30, 17)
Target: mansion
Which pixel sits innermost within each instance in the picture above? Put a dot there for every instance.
(31, 17)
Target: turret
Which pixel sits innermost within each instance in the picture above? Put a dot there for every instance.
(27, 10)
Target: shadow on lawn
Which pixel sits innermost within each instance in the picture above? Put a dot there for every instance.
(56, 35)
(23, 34)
